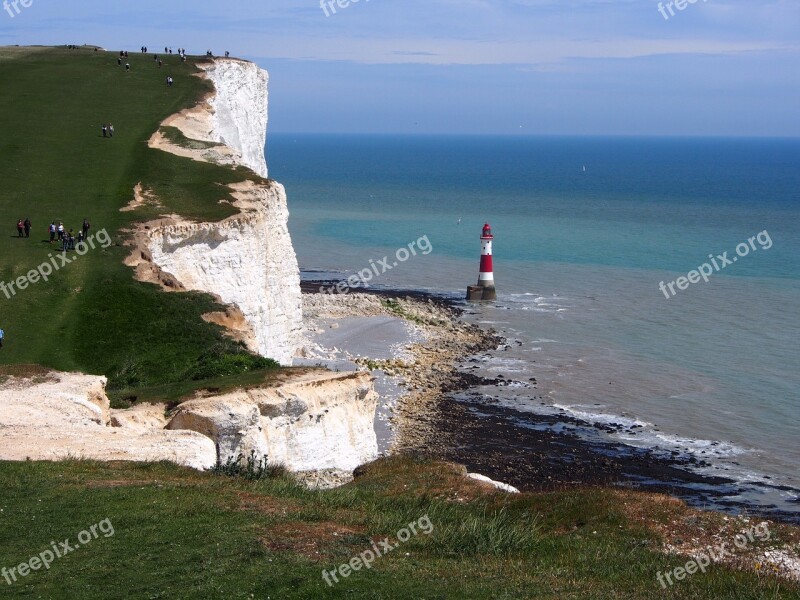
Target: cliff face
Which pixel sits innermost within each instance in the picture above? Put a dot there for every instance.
(64, 415)
(238, 120)
(319, 421)
(248, 260)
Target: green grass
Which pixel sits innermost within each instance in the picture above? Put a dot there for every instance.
(91, 315)
(174, 393)
(177, 137)
(183, 534)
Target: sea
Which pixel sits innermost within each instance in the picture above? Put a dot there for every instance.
(589, 233)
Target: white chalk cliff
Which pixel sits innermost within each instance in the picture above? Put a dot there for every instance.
(247, 261)
(240, 110)
(319, 421)
(65, 415)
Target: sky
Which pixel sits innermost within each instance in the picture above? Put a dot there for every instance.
(518, 67)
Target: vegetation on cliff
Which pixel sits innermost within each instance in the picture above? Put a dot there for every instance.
(183, 534)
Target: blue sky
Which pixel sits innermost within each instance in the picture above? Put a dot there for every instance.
(717, 67)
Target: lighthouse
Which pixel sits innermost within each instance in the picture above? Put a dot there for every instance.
(485, 288)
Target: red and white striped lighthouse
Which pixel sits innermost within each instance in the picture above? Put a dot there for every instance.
(485, 288)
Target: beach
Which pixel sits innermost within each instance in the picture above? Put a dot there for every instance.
(426, 358)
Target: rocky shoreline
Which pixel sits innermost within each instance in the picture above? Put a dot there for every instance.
(442, 416)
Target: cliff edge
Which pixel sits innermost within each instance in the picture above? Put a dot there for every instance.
(247, 261)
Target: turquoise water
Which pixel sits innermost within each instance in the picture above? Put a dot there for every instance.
(579, 255)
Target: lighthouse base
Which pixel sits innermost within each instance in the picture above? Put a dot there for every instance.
(476, 293)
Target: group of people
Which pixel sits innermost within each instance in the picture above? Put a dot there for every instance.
(210, 54)
(108, 130)
(24, 228)
(58, 233)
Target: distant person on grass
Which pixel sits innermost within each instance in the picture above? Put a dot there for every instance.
(110, 130)
(105, 131)
(27, 227)
(20, 228)
(52, 230)
(85, 227)
(60, 230)
(2, 337)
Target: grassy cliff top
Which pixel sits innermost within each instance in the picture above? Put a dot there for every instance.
(182, 534)
(90, 315)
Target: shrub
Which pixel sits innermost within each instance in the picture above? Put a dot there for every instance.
(249, 468)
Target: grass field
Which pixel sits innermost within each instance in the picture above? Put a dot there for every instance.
(182, 534)
(91, 315)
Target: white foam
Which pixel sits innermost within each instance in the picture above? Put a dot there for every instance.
(592, 416)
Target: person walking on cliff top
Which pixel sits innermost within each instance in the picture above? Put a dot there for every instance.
(20, 228)
(27, 225)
